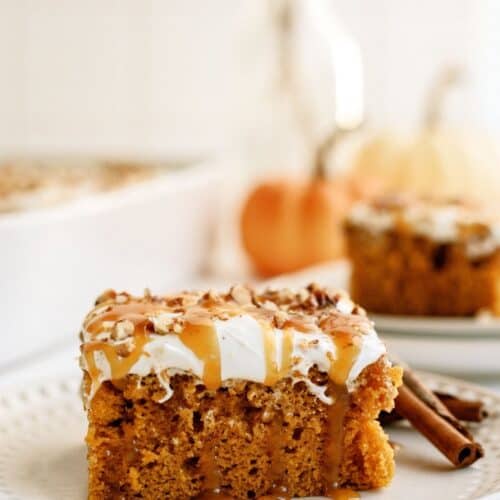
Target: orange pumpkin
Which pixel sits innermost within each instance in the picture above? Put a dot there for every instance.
(288, 225)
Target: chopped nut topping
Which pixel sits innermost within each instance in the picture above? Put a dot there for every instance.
(303, 308)
(103, 336)
(121, 299)
(126, 347)
(174, 301)
(358, 310)
(332, 294)
(178, 327)
(241, 295)
(190, 299)
(210, 296)
(280, 319)
(286, 295)
(108, 294)
(122, 330)
(163, 323)
(312, 302)
(271, 306)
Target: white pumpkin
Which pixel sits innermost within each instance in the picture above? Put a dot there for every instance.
(436, 161)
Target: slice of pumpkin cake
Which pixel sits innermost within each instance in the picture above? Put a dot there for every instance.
(239, 394)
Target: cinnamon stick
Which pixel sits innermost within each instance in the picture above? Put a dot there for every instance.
(462, 409)
(430, 399)
(468, 411)
(460, 449)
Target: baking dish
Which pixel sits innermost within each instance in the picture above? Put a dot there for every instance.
(55, 261)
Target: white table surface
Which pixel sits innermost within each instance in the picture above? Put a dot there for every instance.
(61, 362)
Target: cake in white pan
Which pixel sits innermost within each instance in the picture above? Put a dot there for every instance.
(31, 184)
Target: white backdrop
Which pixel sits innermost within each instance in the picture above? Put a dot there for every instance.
(176, 75)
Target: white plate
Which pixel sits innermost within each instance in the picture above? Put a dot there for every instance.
(42, 427)
(484, 327)
(335, 274)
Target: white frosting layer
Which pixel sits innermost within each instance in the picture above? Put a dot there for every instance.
(242, 350)
(167, 351)
(438, 223)
(243, 356)
(376, 221)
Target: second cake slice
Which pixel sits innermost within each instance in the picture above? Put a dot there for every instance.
(422, 257)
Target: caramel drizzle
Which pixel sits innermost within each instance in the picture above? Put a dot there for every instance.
(119, 365)
(94, 374)
(277, 464)
(335, 436)
(272, 372)
(202, 340)
(342, 494)
(348, 344)
(286, 351)
(335, 494)
(210, 472)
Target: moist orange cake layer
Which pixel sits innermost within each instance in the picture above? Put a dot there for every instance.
(301, 422)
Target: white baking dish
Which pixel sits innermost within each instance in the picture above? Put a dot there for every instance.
(54, 262)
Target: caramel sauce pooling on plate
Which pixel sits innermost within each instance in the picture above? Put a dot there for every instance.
(342, 494)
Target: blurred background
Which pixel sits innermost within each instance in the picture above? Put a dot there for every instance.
(186, 77)
(182, 107)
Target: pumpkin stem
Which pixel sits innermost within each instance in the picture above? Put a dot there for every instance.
(447, 78)
(328, 146)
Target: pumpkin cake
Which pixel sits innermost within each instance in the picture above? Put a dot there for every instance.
(32, 184)
(234, 395)
(424, 257)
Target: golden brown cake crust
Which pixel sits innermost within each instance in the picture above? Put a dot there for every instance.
(245, 437)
